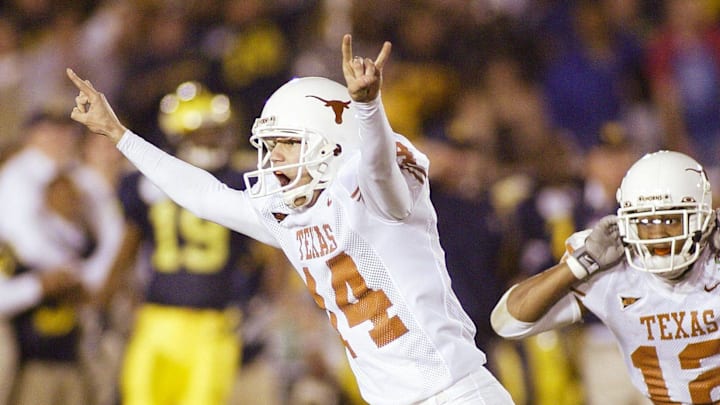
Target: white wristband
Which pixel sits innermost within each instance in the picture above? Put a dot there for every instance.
(577, 269)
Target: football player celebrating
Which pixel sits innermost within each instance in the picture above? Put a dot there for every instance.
(650, 274)
(347, 200)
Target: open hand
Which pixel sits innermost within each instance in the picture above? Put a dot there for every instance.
(93, 110)
(363, 75)
(604, 243)
(603, 249)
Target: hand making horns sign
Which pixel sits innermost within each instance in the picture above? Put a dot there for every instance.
(93, 110)
(363, 75)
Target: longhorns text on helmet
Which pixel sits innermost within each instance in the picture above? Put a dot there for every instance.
(665, 184)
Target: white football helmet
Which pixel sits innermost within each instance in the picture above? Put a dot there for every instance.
(319, 114)
(660, 184)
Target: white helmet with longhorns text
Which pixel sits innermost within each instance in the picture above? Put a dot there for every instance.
(663, 188)
(316, 113)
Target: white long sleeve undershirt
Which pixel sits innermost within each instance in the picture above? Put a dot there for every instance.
(383, 184)
(195, 189)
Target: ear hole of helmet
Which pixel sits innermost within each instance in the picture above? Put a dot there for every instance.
(326, 150)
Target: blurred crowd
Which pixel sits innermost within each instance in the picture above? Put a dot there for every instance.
(530, 111)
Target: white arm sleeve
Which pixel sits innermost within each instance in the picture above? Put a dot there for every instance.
(195, 189)
(381, 183)
(18, 294)
(564, 312)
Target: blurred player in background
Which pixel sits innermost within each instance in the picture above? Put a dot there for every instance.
(347, 200)
(19, 293)
(185, 346)
(49, 334)
(61, 231)
(650, 274)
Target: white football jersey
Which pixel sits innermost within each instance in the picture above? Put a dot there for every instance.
(383, 284)
(669, 334)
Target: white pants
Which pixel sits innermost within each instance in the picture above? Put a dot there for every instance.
(478, 388)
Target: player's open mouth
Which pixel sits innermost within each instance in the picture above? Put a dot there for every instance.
(661, 250)
(282, 178)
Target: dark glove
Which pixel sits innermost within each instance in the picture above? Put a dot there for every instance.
(602, 249)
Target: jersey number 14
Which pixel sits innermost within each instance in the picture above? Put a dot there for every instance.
(368, 305)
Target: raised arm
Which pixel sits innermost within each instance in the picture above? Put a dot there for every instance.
(191, 187)
(382, 182)
(93, 110)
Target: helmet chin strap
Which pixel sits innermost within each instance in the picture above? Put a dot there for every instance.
(680, 272)
(303, 196)
(688, 258)
(669, 268)
(297, 200)
(669, 275)
(680, 275)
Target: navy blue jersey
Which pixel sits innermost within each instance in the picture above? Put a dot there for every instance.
(50, 330)
(194, 263)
